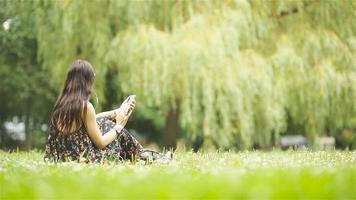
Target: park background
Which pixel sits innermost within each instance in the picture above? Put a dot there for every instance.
(229, 78)
(207, 74)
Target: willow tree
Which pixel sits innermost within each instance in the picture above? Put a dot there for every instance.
(238, 72)
(235, 73)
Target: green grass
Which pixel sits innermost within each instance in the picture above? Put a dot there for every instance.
(247, 175)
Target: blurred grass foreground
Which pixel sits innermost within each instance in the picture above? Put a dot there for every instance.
(232, 74)
(244, 175)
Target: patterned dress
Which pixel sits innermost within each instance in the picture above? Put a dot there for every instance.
(77, 146)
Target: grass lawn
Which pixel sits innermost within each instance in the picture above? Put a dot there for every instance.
(247, 175)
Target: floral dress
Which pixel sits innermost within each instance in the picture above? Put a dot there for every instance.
(77, 146)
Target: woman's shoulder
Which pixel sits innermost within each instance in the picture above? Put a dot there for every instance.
(89, 111)
(87, 103)
(90, 107)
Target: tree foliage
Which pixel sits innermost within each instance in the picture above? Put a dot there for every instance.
(239, 73)
(24, 90)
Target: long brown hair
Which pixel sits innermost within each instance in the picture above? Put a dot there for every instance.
(71, 104)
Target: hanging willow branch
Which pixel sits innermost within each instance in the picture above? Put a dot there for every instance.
(236, 72)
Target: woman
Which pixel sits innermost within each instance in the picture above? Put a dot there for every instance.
(76, 133)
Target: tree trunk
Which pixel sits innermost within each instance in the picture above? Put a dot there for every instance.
(2, 132)
(171, 129)
(28, 140)
(28, 131)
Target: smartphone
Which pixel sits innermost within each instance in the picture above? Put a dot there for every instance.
(129, 100)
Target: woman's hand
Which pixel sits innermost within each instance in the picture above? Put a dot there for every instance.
(124, 112)
(121, 119)
(132, 105)
(126, 107)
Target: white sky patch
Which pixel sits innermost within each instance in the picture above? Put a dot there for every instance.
(16, 130)
(6, 25)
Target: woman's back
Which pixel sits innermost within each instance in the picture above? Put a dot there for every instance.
(68, 146)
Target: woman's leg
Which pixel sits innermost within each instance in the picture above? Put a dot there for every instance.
(125, 146)
(130, 147)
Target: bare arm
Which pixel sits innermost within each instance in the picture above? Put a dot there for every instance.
(109, 114)
(100, 140)
(112, 114)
